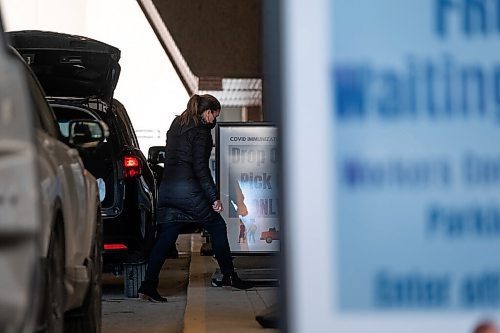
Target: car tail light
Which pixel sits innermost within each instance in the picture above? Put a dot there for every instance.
(131, 167)
(115, 247)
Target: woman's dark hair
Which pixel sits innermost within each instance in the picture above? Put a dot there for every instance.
(196, 106)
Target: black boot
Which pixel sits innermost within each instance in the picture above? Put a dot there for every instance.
(148, 292)
(232, 280)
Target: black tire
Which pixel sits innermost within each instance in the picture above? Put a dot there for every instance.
(269, 240)
(133, 275)
(134, 268)
(87, 318)
(54, 284)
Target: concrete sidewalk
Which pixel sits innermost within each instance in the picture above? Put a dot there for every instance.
(219, 310)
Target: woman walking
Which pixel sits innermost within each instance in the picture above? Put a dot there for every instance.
(188, 193)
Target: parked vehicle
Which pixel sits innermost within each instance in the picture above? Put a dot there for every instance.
(156, 159)
(70, 235)
(128, 190)
(20, 209)
(79, 75)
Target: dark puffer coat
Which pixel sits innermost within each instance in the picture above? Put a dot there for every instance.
(187, 190)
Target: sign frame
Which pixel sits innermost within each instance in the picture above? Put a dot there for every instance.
(257, 250)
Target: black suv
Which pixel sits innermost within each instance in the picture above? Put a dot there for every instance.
(79, 75)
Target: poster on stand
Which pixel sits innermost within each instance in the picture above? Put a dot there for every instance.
(247, 181)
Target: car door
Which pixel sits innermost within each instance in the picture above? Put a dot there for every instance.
(71, 179)
(52, 170)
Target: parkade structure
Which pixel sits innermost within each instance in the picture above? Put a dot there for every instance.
(217, 47)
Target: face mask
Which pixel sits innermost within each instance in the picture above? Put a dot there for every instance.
(212, 125)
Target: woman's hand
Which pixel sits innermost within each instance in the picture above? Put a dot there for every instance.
(242, 209)
(217, 206)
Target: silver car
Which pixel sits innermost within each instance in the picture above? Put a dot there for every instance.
(20, 211)
(58, 291)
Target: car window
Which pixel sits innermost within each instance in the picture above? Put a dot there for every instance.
(47, 119)
(65, 115)
(126, 126)
(121, 131)
(130, 128)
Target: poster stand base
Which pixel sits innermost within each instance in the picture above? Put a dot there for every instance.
(258, 277)
(262, 271)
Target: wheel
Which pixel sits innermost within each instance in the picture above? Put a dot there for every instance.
(54, 284)
(133, 275)
(269, 240)
(87, 318)
(142, 236)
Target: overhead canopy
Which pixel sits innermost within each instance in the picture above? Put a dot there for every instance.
(215, 45)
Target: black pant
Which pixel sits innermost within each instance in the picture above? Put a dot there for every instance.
(168, 235)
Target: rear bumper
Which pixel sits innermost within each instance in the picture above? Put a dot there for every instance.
(119, 237)
(122, 226)
(122, 240)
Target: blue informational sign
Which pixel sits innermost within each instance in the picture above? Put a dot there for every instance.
(415, 90)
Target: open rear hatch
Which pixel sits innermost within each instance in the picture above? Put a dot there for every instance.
(73, 70)
(69, 65)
